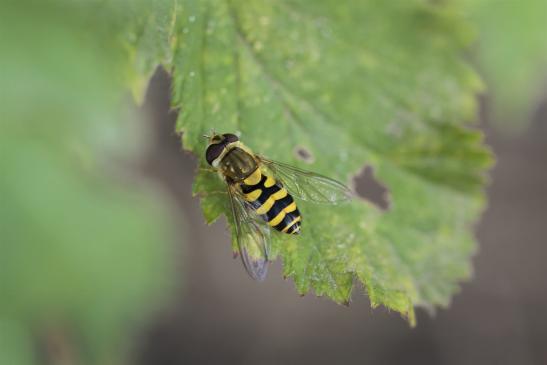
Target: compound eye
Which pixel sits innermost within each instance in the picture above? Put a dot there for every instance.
(213, 151)
(229, 138)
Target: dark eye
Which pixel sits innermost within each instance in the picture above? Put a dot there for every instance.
(213, 151)
(229, 138)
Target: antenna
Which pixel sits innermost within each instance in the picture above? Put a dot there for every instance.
(212, 132)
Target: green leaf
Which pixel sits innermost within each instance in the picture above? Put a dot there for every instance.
(355, 83)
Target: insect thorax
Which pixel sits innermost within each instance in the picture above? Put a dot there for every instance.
(237, 164)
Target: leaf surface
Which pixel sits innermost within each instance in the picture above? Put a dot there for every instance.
(354, 83)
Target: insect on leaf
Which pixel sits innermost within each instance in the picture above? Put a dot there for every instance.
(352, 83)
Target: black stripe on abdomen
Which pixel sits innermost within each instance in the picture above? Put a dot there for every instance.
(246, 189)
(277, 207)
(266, 192)
(289, 218)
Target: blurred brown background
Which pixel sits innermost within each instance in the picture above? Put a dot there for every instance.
(220, 316)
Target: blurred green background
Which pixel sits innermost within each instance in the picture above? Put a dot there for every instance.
(85, 248)
(95, 214)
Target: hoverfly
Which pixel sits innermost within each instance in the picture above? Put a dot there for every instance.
(261, 195)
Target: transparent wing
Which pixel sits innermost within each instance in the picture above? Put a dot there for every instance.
(252, 235)
(307, 185)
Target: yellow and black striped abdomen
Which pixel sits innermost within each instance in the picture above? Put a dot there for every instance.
(272, 202)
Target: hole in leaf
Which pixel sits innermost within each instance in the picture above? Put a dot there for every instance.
(367, 187)
(303, 154)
